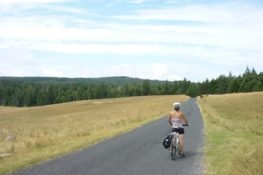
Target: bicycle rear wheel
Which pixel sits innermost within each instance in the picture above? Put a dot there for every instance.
(173, 148)
(173, 152)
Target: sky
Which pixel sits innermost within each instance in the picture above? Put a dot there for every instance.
(150, 39)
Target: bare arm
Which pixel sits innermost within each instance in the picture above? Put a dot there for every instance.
(184, 118)
(169, 120)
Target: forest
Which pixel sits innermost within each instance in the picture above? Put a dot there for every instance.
(37, 91)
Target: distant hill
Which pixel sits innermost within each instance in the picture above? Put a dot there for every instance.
(115, 80)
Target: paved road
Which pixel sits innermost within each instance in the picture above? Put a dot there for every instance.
(138, 152)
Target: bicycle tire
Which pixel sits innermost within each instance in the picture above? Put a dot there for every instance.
(173, 153)
(175, 144)
(173, 148)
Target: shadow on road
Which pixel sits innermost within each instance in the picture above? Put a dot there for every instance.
(191, 154)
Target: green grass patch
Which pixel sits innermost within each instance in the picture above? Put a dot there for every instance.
(234, 135)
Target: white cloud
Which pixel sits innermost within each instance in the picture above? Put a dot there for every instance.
(17, 62)
(235, 30)
(25, 2)
(16, 6)
(223, 13)
(53, 72)
(223, 35)
(137, 1)
(210, 36)
(171, 68)
(68, 10)
(214, 55)
(153, 70)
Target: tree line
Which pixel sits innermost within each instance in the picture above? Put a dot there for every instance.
(36, 91)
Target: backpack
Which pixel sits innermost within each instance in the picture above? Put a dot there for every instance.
(167, 142)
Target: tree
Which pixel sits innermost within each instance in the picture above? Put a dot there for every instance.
(193, 90)
(32, 91)
(234, 85)
(222, 84)
(204, 87)
(146, 87)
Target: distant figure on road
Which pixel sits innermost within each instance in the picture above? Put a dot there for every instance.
(177, 120)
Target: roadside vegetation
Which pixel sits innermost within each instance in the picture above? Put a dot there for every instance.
(32, 134)
(234, 135)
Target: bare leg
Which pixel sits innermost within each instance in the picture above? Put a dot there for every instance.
(181, 138)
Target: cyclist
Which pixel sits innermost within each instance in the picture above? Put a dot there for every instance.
(177, 120)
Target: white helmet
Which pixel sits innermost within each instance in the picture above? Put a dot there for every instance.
(176, 106)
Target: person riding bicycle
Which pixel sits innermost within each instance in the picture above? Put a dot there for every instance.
(177, 120)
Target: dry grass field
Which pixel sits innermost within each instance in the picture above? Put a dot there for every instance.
(32, 134)
(234, 129)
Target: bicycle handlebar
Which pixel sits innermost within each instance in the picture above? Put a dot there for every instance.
(188, 124)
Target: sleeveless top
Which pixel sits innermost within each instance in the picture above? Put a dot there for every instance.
(176, 123)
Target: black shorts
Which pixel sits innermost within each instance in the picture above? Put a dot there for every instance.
(179, 130)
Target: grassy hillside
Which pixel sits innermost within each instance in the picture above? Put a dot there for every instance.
(29, 135)
(234, 128)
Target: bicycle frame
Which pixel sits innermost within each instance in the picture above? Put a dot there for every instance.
(174, 145)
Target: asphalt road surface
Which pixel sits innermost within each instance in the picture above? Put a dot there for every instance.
(139, 152)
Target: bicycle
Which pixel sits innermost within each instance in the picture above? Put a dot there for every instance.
(174, 149)
(175, 144)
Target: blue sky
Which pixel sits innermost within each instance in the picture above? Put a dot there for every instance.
(154, 39)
